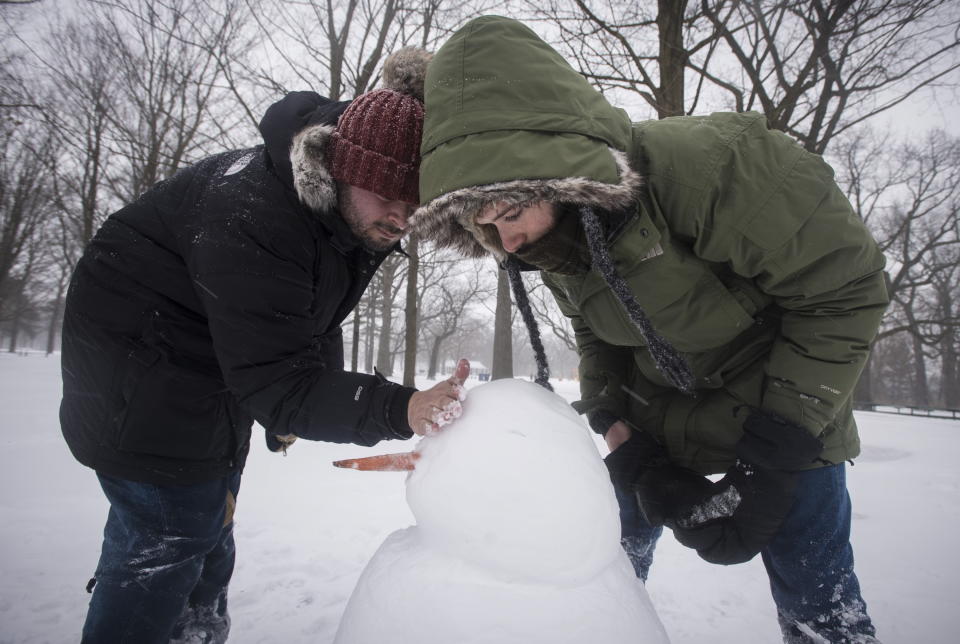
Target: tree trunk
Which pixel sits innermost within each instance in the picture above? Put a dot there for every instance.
(54, 325)
(673, 57)
(949, 380)
(863, 392)
(502, 330)
(411, 314)
(921, 390)
(949, 369)
(371, 311)
(388, 271)
(14, 330)
(434, 360)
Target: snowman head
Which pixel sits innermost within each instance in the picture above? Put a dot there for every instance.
(516, 486)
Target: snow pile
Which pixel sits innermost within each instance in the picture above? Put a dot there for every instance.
(517, 537)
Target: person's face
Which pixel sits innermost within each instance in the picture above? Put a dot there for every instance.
(378, 222)
(519, 226)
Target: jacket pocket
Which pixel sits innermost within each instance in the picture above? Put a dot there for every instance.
(172, 412)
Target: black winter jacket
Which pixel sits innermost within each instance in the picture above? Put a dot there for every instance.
(214, 300)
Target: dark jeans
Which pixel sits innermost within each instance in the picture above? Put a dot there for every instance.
(809, 562)
(167, 558)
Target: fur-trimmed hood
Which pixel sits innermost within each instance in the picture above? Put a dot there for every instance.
(450, 219)
(296, 131)
(312, 180)
(499, 131)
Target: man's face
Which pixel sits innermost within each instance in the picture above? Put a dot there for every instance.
(519, 226)
(378, 222)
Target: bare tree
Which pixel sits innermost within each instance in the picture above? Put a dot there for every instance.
(636, 48)
(891, 384)
(411, 313)
(945, 297)
(502, 366)
(336, 47)
(815, 68)
(446, 308)
(165, 86)
(551, 321)
(24, 301)
(389, 284)
(446, 289)
(78, 66)
(910, 195)
(126, 97)
(24, 206)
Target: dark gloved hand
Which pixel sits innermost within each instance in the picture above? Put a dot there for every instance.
(739, 514)
(642, 466)
(639, 453)
(280, 443)
(664, 491)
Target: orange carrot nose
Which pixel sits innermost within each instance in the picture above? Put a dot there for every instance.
(383, 463)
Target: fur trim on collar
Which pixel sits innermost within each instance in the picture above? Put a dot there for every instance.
(315, 186)
(450, 219)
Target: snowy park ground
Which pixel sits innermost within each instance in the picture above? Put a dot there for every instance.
(305, 530)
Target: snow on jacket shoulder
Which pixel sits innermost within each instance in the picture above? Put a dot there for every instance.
(215, 300)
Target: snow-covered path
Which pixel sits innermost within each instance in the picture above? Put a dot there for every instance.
(305, 530)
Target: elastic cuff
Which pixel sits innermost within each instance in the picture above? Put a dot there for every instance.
(805, 411)
(397, 413)
(601, 420)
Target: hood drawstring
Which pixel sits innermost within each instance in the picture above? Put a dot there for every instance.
(668, 360)
(666, 357)
(523, 303)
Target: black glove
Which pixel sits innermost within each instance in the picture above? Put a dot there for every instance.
(663, 491)
(777, 444)
(641, 465)
(637, 454)
(739, 514)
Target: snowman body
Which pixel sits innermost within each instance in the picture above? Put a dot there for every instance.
(516, 540)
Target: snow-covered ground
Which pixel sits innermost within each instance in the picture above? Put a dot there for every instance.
(305, 530)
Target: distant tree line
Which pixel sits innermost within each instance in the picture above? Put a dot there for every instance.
(101, 99)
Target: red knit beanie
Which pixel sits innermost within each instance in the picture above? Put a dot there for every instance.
(376, 144)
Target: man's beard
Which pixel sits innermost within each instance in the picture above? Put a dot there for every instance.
(366, 232)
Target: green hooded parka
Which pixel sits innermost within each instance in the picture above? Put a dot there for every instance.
(740, 247)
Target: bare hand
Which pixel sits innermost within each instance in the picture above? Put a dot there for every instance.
(617, 435)
(430, 410)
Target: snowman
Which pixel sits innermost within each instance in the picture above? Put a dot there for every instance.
(517, 536)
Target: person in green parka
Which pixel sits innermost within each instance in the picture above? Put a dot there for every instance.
(723, 294)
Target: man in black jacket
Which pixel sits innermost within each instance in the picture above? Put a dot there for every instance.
(213, 301)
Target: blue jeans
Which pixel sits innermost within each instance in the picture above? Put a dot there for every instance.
(166, 561)
(809, 562)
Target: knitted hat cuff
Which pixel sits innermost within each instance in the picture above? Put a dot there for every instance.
(369, 169)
